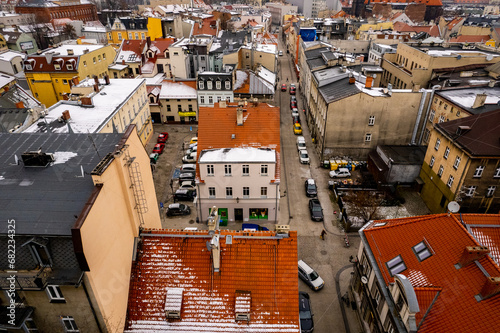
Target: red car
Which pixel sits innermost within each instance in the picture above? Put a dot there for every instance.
(162, 138)
(283, 87)
(293, 104)
(159, 148)
(292, 90)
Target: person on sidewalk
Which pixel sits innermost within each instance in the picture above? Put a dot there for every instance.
(323, 233)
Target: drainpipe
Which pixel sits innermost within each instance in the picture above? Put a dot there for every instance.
(419, 115)
(276, 204)
(427, 111)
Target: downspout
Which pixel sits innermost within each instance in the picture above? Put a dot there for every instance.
(90, 303)
(324, 136)
(276, 204)
(427, 112)
(419, 116)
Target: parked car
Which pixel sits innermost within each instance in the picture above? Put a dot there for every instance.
(297, 130)
(315, 210)
(153, 157)
(189, 158)
(188, 185)
(158, 148)
(280, 53)
(162, 137)
(305, 313)
(184, 195)
(311, 189)
(188, 168)
(340, 173)
(293, 104)
(293, 98)
(295, 112)
(292, 90)
(303, 156)
(310, 277)
(253, 226)
(283, 87)
(191, 145)
(192, 150)
(296, 119)
(186, 177)
(178, 209)
(193, 140)
(301, 143)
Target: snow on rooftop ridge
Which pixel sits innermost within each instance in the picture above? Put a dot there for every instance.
(61, 157)
(248, 154)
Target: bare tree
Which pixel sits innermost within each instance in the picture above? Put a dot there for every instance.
(362, 205)
(37, 25)
(69, 31)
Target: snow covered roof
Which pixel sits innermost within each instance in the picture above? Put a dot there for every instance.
(237, 155)
(77, 49)
(179, 90)
(10, 54)
(118, 67)
(6, 79)
(157, 79)
(266, 74)
(90, 120)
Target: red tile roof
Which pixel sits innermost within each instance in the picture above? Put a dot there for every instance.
(260, 129)
(160, 45)
(455, 309)
(205, 28)
(134, 45)
(267, 268)
(454, 22)
(470, 39)
(486, 232)
(432, 30)
(426, 2)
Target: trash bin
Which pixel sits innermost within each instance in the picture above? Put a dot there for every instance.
(326, 164)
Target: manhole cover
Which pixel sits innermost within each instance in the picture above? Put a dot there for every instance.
(323, 252)
(191, 221)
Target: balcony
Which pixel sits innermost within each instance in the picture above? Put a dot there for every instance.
(25, 280)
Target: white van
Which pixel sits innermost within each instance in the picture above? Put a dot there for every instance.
(301, 143)
(191, 158)
(310, 277)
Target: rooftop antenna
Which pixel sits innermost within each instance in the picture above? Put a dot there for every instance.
(83, 173)
(95, 147)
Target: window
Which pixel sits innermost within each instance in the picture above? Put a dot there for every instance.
(446, 152)
(450, 182)
(490, 191)
(209, 85)
(229, 192)
(497, 173)
(431, 163)
(396, 265)
(151, 100)
(421, 251)
(202, 99)
(190, 107)
(69, 324)
(219, 98)
(446, 106)
(458, 113)
(479, 171)
(179, 108)
(168, 108)
(93, 59)
(427, 134)
(227, 85)
(371, 121)
(143, 36)
(55, 294)
(263, 170)
(438, 142)
(470, 191)
(201, 85)
(218, 85)
(99, 58)
(129, 35)
(246, 170)
(435, 100)
(211, 192)
(440, 171)
(84, 64)
(263, 192)
(57, 67)
(227, 170)
(431, 115)
(457, 162)
(246, 192)
(210, 100)
(210, 170)
(368, 137)
(441, 119)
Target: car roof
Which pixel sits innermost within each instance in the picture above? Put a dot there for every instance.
(315, 201)
(305, 267)
(343, 169)
(305, 304)
(310, 181)
(188, 166)
(174, 205)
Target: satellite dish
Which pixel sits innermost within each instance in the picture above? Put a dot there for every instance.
(453, 207)
(374, 76)
(364, 279)
(489, 57)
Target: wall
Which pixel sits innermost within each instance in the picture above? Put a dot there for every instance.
(178, 61)
(109, 229)
(174, 107)
(154, 28)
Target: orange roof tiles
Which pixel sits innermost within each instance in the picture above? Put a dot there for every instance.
(432, 30)
(204, 28)
(455, 309)
(266, 268)
(134, 45)
(426, 2)
(261, 128)
(470, 39)
(454, 22)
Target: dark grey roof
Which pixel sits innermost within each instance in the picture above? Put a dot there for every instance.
(11, 117)
(232, 41)
(45, 200)
(316, 63)
(338, 90)
(404, 154)
(315, 53)
(464, 98)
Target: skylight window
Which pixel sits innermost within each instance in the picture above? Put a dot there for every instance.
(380, 224)
(396, 265)
(421, 251)
(132, 57)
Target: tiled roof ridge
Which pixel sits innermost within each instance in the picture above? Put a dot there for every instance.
(428, 288)
(257, 233)
(411, 219)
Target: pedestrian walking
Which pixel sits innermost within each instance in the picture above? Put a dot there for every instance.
(323, 233)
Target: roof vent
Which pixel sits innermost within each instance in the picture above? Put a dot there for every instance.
(461, 130)
(37, 159)
(71, 52)
(479, 101)
(242, 305)
(173, 303)
(472, 253)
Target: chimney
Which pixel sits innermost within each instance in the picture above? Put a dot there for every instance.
(491, 287)
(106, 78)
(6, 88)
(86, 101)
(65, 115)
(123, 62)
(148, 41)
(96, 79)
(222, 104)
(368, 83)
(71, 52)
(96, 87)
(352, 80)
(20, 105)
(479, 101)
(75, 80)
(472, 253)
(239, 116)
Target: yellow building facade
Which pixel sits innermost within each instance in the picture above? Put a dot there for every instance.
(134, 28)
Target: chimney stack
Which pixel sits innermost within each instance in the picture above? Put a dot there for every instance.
(71, 52)
(75, 80)
(368, 83)
(479, 101)
(148, 41)
(472, 253)
(491, 287)
(106, 78)
(222, 104)
(352, 80)
(86, 101)
(65, 115)
(239, 116)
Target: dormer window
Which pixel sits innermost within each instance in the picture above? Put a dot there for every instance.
(201, 85)
(218, 85)
(57, 67)
(28, 67)
(228, 85)
(150, 54)
(167, 55)
(69, 67)
(39, 251)
(209, 85)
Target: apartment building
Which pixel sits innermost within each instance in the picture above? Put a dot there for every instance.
(188, 56)
(215, 87)
(100, 106)
(239, 164)
(178, 101)
(50, 73)
(414, 65)
(134, 28)
(89, 195)
(278, 11)
(462, 164)
(409, 284)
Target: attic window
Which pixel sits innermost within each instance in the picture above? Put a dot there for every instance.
(396, 265)
(242, 305)
(57, 67)
(173, 303)
(28, 67)
(69, 67)
(132, 57)
(422, 251)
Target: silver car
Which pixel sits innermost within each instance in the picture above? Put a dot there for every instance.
(303, 156)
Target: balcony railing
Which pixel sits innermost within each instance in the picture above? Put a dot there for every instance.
(25, 280)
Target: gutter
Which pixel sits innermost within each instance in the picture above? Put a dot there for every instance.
(427, 111)
(419, 116)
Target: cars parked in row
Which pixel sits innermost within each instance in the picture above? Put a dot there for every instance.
(311, 189)
(315, 210)
(305, 313)
(303, 156)
(189, 158)
(178, 209)
(340, 173)
(310, 277)
(296, 119)
(193, 140)
(186, 176)
(297, 130)
(158, 148)
(184, 195)
(293, 104)
(292, 89)
(295, 112)
(153, 157)
(301, 143)
(187, 185)
(162, 137)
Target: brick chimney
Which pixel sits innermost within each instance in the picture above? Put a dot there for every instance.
(86, 101)
(106, 78)
(369, 82)
(148, 41)
(491, 287)
(75, 80)
(472, 253)
(352, 80)
(239, 116)
(65, 115)
(479, 101)
(222, 104)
